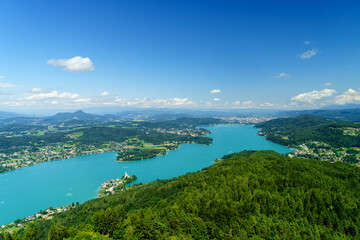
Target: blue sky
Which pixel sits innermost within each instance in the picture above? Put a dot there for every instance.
(173, 54)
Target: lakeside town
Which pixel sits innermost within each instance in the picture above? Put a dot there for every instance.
(26, 157)
(46, 214)
(247, 120)
(322, 151)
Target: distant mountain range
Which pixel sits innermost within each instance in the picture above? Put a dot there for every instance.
(345, 106)
(78, 116)
(349, 112)
(4, 115)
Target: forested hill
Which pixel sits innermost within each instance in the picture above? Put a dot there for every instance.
(248, 195)
(293, 123)
(294, 131)
(351, 115)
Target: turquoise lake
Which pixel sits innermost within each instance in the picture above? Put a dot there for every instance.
(26, 191)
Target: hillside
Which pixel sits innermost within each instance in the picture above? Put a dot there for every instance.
(316, 137)
(350, 115)
(288, 131)
(4, 114)
(248, 195)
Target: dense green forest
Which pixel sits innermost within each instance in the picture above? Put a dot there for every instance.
(139, 154)
(351, 115)
(248, 195)
(294, 131)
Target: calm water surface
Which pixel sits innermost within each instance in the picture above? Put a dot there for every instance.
(24, 192)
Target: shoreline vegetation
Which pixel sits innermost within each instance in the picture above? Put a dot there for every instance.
(22, 148)
(251, 194)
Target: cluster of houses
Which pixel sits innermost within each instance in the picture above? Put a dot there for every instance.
(46, 214)
(321, 150)
(47, 153)
(246, 120)
(111, 186)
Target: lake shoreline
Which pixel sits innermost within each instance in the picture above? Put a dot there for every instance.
(58, 183)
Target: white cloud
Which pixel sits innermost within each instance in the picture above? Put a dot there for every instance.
(307, 42)
(6, 85)
(267, 104)
(309, 54)
(37, 90)
(75, 64)
(148, 102)
(313, 95)
(328, 84)
(52, 94)
(350, 96)
(251, 104)
(2, 77)
(170, 102)
(73, 101)
(215, 91)
(82, 100)
(104, 94)
(248, 103)
(283, 76)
